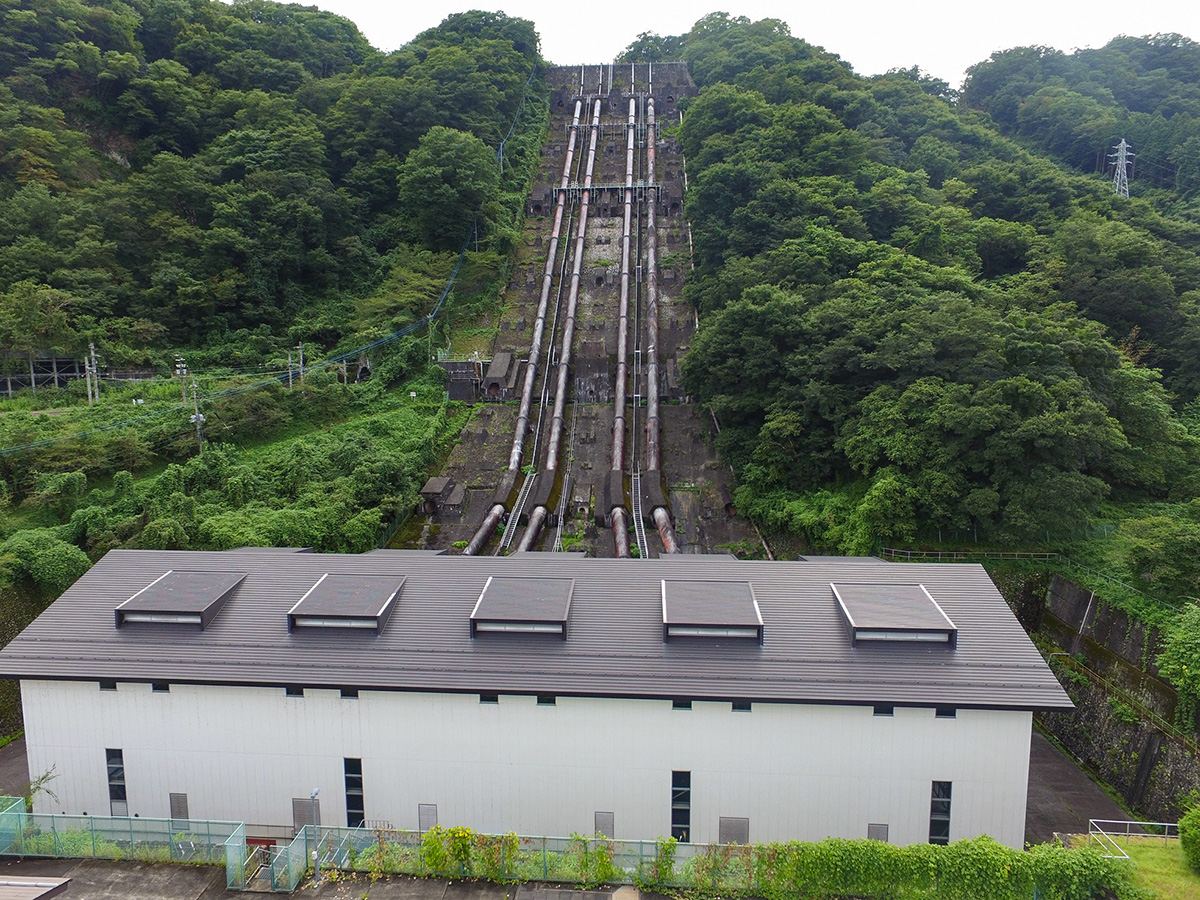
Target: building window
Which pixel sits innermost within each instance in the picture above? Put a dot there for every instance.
(160, 687)
(681, 806)
(741, 706)
(945, 712)
(545, 699)
(939, 813)
(877, 832)
(490, 697)
(108, 685)
(179, 810)
(884, 710)
(349, 693)
(426, 816)
(733, 830)
(117, 800)
(605, 823)
(294, 690)
(354, 792)
(681, 704)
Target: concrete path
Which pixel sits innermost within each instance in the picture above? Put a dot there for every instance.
(1061, 796)
(14, 772)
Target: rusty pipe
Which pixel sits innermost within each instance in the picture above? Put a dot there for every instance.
(620, 530)
(493, 516)
(537, 518)
(662, 519)
(618, 435)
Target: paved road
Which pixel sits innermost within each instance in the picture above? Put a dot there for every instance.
(1061, 796)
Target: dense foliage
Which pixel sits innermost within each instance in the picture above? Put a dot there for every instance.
(912, 328)
(1189, 836)
(192, 172)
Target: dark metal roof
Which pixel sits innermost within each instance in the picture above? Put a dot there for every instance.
(892, 612)
(518, 604)
(615, 646)
(180, 598)
(710, 609)
(347, 601)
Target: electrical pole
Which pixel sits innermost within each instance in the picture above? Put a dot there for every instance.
(87, 375)
(1122, 159)
(181, 371)
(197, 417)
(289, 369)
(95, 371)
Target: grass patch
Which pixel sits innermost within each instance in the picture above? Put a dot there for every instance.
(1159, 867)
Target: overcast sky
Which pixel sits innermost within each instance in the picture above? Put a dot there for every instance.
(943, 37)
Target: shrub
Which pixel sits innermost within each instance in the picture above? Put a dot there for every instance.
(1189, 836)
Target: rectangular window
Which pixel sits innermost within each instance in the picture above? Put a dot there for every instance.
(117, 799)
(426, 816)
(681, 806)
(733, 830)
(877, 832)
(160, 687)
(354, 792)
(489, 697)
(545, 699)
(179, 809)
(108, 685)
(606, 824)
(884, 710)
(939, 813)
(681, 704)
(349, 693)
(741, 706)
(945, 712)
(294, 690)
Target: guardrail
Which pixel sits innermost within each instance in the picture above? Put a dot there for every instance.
(1105, 832)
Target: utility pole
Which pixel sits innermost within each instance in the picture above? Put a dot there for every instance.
(87, 375)
(1122, 159)
(197, 417)
(95, 370)
(181, 371)
(289, 369)
(300, 347)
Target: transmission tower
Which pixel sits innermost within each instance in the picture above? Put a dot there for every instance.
(1122, 159)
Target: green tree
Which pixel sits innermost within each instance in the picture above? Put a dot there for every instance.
(447, 183)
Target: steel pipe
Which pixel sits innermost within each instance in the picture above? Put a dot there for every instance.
(557, 420)
(620, 530)
(492, 519)
(662, 519)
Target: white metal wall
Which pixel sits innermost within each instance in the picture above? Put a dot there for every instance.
(797, 771)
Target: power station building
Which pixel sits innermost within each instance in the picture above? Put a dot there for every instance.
(705, 697)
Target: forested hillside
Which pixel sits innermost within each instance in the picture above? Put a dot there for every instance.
(226, 181)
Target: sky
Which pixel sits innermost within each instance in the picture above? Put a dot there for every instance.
(943, 37)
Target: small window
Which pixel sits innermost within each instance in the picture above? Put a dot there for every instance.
(294, 690)
(426, 816)
(681, 806)
(118, 800)
(884, 710)
(741, 706)
(349, 693)
(108, 685)
(878, 832)
(354, 792)
(605, 824)
(732, 830)
(681, 704)
(160, 687)
(939, 812)
(946, 712)
(179, 808)
(490, 697)
(545, 699)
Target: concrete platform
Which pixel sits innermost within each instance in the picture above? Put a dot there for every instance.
(1061, 796)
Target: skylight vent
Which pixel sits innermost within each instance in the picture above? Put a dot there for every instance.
(360, 602)
(893, 613)
(179, 598)
(710, 609)
(524, 606)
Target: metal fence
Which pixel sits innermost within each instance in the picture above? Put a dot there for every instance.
(1105, 833)
(513, 858)
(194, 841)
